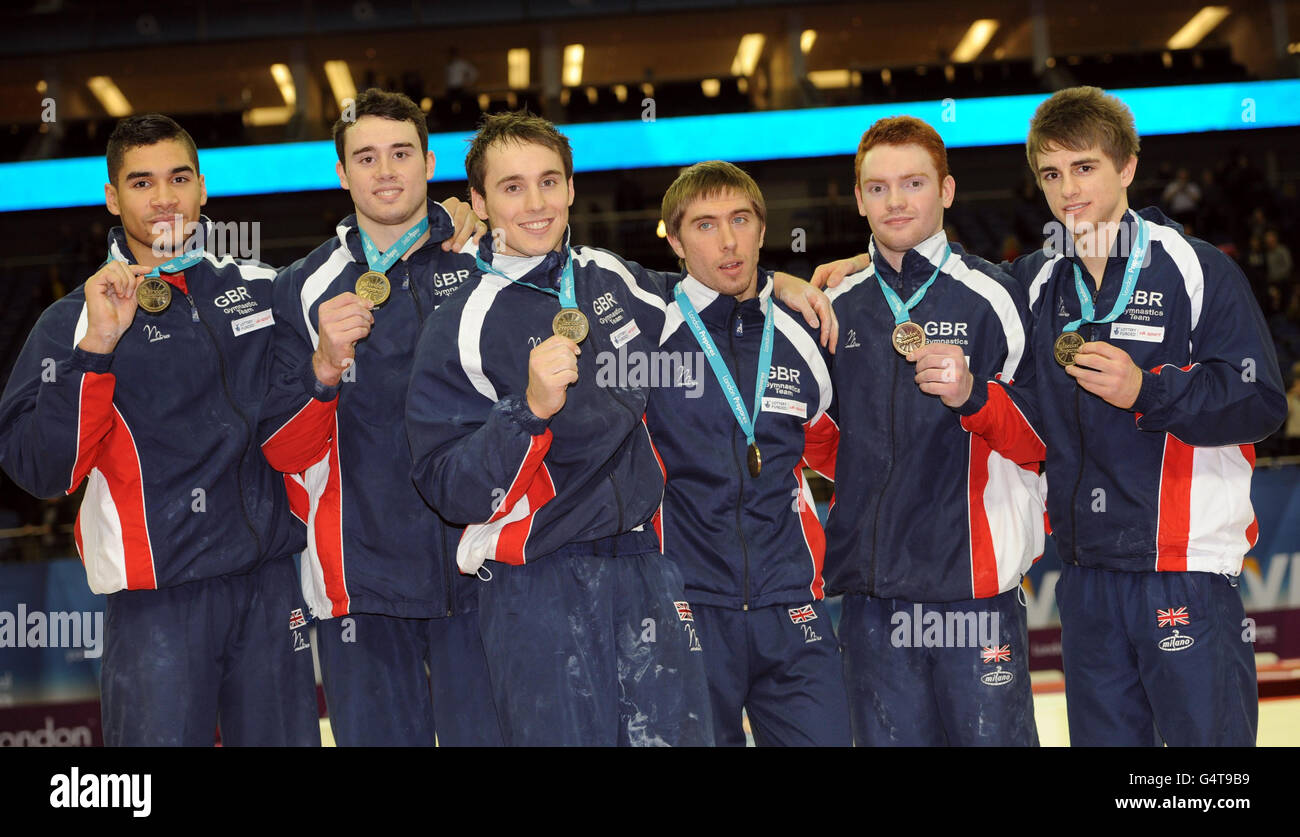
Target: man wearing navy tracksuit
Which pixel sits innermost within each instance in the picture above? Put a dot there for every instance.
(750, 546)
(379, 572)
(1149, 432)
(514, 432)
(183, 524)
(933, 524)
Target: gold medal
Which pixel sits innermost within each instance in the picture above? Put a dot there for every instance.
(153, 295)
(1066, 347)
(374, 286)
(570, 323)
(908, 337)
(755, 461)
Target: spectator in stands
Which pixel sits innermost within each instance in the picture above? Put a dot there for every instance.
(1182, 197)
(1210, 218)
(1277, 259)
(461, 76)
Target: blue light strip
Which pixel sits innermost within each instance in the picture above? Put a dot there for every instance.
(767, 135)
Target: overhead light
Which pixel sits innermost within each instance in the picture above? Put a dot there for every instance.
(806, 40)
(751, 46)
(1291, 49)
(572, 74)
(340, 79)
(109, 96)
(662, 229)
(973, 42)
(426, 104)
(1198, 27)
(283, 78)
(711, 87)
(41, 86)
(620, 92)
(593, 95)
(517, 68)
(261, 117)
(830, 79)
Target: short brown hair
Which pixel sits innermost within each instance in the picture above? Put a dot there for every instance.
(1077, 118)
(145, 129)
(520, 127)
(902, 130)
(707, 180)
(395, 106)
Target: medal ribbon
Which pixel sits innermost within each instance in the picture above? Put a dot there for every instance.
(720, 370)
(380, 262)
(896, 303)
(176, 265)
(567, 297)
(1132, 268)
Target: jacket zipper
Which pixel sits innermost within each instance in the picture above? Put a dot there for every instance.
(889, 474)
(225, 385)
(1078, 419)
(740, 469)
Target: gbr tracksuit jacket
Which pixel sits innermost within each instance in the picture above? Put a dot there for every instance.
(925, 509)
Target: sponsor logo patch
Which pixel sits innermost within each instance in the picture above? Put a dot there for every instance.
(997, 677)
(1176, 642)
(786, 407)
(252, 322)
(1130, 331)
(296, 619)
(1171, 617)
(625, 334)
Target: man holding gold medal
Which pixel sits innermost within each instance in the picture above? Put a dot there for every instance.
(378, 572)
(148, 383)
(513, 432)
(932, 523)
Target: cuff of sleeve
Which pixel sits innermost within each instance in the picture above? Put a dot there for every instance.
(516, 409)
(979, 396)
(313, 387)
(1150, 395)
(91, 361)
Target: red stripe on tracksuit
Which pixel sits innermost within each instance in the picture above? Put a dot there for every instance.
(658, 520)
(813, 535)
(104, 443)
(821, 441)
(1175, 506)
(532, 480)
(302, 440)
(1005, 429)
(94, 422)
(983, 559)
(299, 502)
(1252, 531)
(329, 534)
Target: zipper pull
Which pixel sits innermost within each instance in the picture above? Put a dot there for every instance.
(194, 309)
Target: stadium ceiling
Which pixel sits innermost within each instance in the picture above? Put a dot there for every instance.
(180, 59)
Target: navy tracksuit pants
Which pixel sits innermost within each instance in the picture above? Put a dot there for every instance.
(231, 650)
(393, 682)
(782, 665)
(926, 674)
(1153, 657)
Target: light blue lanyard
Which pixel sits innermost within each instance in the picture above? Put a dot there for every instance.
(1132, 268)
(565, 293)
(720, 370)
(896, 303)
(177, 264)
(380, 262)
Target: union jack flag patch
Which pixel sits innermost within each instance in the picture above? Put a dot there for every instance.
(996, 653)
(296, 619)
(1171, 617)
(802, 614)
(684, 612)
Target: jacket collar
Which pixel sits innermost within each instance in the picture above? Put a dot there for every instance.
(349, 232)
(918, 263)
(716, 309)
(118, 250)
(543, 271)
